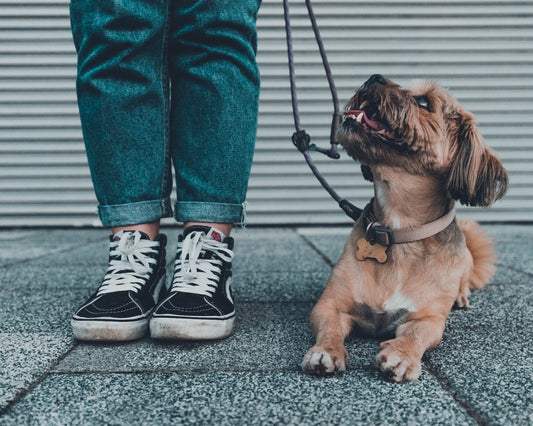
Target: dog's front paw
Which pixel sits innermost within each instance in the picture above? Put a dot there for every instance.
(397, 365)
(321, 362)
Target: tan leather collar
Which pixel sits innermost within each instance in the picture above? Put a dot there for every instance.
(386, 236)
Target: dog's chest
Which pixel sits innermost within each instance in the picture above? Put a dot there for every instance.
(383, 321)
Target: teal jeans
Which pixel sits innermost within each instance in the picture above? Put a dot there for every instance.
(162, 82)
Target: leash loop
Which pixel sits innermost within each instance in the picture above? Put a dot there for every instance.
(300, 138)
(337, 116)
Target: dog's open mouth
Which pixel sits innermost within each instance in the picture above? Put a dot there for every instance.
(361, 117)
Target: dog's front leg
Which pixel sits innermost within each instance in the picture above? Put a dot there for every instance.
(330, 327)
(401, 358)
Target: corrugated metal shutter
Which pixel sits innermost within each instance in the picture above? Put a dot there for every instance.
(481, 50)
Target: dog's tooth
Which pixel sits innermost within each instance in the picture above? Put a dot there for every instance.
(382, 131)
(360, 117)
(363, 105)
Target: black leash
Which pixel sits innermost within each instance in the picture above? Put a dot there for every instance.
(301, 138)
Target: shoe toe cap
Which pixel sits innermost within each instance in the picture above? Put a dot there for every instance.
(191, 305)
(117, 306)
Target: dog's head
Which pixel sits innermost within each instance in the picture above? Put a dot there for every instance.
(425, 131)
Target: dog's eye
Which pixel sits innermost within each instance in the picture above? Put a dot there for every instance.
(422, 102)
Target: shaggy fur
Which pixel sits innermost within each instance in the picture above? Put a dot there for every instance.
(422, 150)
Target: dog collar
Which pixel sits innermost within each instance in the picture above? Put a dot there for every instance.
(384, 236)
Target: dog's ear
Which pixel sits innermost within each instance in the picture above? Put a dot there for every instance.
(476, 176)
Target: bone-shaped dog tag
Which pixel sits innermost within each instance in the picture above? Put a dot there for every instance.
(373, 251)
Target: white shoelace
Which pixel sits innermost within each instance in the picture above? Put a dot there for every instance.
(195, 274)
(133, 268)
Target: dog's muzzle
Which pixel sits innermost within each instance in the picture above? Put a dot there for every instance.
(361, 117)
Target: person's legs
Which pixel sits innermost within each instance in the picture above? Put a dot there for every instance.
(123, 93)
(215, 90)
(122, 88)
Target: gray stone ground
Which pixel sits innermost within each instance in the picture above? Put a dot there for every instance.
(481, 373)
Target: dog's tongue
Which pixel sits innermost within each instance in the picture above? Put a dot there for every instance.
(361, 117)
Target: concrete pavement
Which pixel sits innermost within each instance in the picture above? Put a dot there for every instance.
(481, 373)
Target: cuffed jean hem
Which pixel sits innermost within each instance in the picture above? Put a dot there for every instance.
(134, 213)
(196, 211)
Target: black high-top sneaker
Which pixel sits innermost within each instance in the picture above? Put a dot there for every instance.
(199, 304)
(135, 280)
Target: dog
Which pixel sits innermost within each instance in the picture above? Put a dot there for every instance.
(407, 260)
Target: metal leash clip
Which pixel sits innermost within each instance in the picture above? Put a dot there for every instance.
(379, 234)
(332, 151)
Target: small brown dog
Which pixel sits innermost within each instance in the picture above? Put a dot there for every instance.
(407, 260)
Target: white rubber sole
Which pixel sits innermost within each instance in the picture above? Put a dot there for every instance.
(190, 329)
(109, 330)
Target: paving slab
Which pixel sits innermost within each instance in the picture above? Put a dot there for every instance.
(252, 286)
(31, 311)
(47, 276)
(486, 354)
(510, 276)
(328, 241)
(230, 398)
(25, 357)
(497, 306)
(509, 232)
(20, 245)
(267, 337)
(518, 255)
(289, 253)
(480, 373)
(491, 371)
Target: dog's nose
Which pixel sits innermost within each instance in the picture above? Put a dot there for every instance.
(376, 78)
